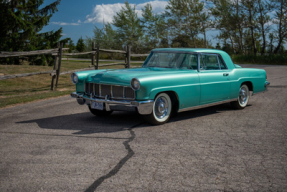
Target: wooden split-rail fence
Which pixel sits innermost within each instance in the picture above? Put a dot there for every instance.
(58, 54)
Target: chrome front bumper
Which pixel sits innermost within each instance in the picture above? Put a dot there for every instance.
(143, 107)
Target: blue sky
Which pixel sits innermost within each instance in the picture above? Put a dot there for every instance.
(79, 18)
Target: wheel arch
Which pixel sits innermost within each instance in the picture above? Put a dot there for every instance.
(249, 85)
(174, 99)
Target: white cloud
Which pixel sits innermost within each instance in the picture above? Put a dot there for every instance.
(79, 21)
(106, 12)
(63, 23)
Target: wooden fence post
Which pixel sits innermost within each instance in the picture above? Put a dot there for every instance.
(97, 60)
(59, 64)
(93, 55)
(128, 57)
(54, 68)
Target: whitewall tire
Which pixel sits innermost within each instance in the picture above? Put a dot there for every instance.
(161, 112)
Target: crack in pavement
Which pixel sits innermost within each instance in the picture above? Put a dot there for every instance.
(57, 135)
(116, 169)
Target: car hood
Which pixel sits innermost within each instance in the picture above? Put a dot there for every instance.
(124, 76)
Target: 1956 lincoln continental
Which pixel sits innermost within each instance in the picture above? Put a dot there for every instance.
(171, 80)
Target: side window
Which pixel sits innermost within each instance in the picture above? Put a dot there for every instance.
(188, 61)
(209, 62)
(222, 65)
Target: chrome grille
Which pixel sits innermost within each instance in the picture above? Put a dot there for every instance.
(105, 90)
(129, 93)
(96, 90)
(113, 91)
(118, 91)
(88, 88)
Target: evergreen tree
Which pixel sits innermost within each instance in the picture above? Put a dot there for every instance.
(129, 28)
(154, 28)
(80, 45)
(106, 37)
(71, 46)
(21, 21)
(281, 22)
(186, 19)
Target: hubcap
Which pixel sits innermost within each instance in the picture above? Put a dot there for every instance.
(161, 107)
(243, 96)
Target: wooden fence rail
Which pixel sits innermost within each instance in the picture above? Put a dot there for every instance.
(58, 53)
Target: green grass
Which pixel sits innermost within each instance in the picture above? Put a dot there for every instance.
(27, 89)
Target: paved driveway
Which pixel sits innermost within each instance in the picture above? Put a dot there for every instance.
(57, 145)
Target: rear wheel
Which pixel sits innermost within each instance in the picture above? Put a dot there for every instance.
(243, 98)
(161, 110)
(100, 113)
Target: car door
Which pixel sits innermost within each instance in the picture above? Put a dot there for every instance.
(214, 79)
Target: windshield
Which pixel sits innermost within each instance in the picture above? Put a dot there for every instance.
(171, 60)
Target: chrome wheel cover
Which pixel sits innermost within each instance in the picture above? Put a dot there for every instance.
(243, 96)
(161, 107)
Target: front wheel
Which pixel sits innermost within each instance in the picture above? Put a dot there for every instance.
(100, 113)
(161, 110)
(243, 98)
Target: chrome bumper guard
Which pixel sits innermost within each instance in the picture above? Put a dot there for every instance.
(143, 107)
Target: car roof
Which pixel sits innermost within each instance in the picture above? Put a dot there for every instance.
(224, 55)
(202, 50)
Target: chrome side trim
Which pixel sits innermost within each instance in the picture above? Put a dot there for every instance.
(207, 105)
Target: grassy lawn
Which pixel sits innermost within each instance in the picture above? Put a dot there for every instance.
(26, 89)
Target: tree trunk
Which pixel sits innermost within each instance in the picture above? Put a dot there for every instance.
(252, 32)
(239, 29)
(280, 29)
(262, 27)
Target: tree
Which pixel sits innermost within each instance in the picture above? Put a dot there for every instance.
(106, 37)
(264, 8)
(71, 46)
(223, 21)
(80, 45)
(251, 11)
(281, 21)
(154, 28)
(21, 21)
(129, 28)
(186, 17)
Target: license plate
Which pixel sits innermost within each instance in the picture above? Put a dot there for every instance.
(97, 105)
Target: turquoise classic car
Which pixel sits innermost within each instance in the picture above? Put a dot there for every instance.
(171, 80)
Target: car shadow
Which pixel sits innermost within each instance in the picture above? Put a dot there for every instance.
(86, 123)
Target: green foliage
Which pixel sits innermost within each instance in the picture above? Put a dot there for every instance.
(154, 28)
(80, 45)
(129, 28)
(246, 26)
(106, 37)
(71, 46)
(21, 21)
(265, 59)
(186, 20)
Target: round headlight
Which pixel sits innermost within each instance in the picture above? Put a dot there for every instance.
(135, 83)
(74, 78)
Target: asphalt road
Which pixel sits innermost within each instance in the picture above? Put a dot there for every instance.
(57, 145)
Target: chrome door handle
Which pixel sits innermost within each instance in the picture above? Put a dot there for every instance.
(225, 74)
